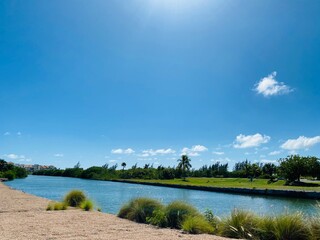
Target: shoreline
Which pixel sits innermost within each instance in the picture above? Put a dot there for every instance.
(23, 216)
(245, 191)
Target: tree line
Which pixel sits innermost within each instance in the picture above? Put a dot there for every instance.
(290, 168)
(9, 171)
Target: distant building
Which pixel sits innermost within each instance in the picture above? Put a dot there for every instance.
(35, 167)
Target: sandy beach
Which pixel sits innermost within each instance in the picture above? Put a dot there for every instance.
(23, 216)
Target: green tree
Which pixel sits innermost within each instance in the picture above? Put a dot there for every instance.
(269, 169)
(313, 167)
(184, 165)
(293, 167)
(123, 165)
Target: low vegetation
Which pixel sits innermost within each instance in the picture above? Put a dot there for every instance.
(56, 206)
(74, 198)
(240, 224)
(139, 209)
(177, 212)
(87, 205)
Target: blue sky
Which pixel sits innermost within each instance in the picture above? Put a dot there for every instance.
(145, 81)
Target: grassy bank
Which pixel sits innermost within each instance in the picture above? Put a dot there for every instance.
(240, 224)
(234, 183)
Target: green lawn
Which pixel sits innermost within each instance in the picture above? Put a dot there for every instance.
(234, 182)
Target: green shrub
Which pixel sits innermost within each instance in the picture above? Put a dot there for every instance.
(196, 225)
(75, 198)
(139, 209)
(241, 224)
(291, 226)
(56, 206)
(60, 206)
(87, 205)
(158, 218)
(177, 212)
(50, 206)
(9, 174)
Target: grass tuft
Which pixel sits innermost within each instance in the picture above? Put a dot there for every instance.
(139, 209)
(241, 224)
(60, 206)
(178, 211)
(87, 205)
(158, 218)
(196, 225)
(56, 206)
(291, 226)
(50, 206)
(75, 198)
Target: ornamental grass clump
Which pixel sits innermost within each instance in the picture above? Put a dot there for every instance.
(315, 228)
(197, 225)
(291, 226)
(50, 206)
(56, 206)
(139, 209)
(177, 212)
(75, 198)
(265, 229)
(60, 206)
(241, 224)
(158, 218)
(87, 205)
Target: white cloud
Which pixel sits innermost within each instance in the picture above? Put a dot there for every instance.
(6, 134)
(243, 141)
(19, 133)
(301, 142)
(193, 154)
(112, 161)
(194, 150)
(199, 148)
(268, 86)
(14, 156)
(218, 153)
(274, 153)
(151, 152)
(122, 151)
(58, 155)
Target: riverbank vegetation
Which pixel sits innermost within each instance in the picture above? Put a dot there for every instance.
(10, 172)
(286, 174)
(74, 198)
(240, 224)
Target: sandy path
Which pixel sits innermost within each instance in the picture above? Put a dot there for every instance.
(23, 216)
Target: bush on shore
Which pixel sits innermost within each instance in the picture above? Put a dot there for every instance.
(178, 211)
(75, 198)
(139, 209)
(240, 224)
(56, 206)
(196, 225)
(87, 205)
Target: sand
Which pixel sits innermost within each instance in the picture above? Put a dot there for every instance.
(23, 216)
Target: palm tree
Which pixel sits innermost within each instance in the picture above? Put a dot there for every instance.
(184, 165)
(123, 165)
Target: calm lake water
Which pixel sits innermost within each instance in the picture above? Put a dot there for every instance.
(111, 195)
